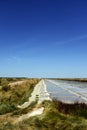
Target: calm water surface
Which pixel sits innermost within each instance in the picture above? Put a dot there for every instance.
(67, 91)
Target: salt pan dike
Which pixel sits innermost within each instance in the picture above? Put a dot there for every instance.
(61, 90)
(39, 93)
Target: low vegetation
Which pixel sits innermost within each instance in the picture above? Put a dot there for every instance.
(25, 110)
(51, 119)
(56, 115)
(10, 80)
(11, 96)
(76, 109)
(72, 79)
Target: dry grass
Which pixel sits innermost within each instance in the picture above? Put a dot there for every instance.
(17, 94)
(51, 119)
(56, 116)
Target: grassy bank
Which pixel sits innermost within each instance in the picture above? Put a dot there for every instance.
(76, 109)
(56, 115)
(51, 119)
(11, 96)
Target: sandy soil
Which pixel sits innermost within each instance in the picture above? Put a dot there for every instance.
(16, 83)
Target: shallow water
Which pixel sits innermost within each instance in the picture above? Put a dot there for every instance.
(67, 91)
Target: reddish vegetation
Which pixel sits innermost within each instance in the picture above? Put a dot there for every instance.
(79, 109)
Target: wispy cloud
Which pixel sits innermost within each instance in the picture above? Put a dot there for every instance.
(42, 47)
(71, 40)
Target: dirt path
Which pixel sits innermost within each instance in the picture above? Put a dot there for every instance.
(35, 112)
(14, 119)
(40, 92)
(17, 83)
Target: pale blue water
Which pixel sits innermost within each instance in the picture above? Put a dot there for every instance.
(57, 91)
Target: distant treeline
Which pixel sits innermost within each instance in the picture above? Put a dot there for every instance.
(10, 79)
(70, 79)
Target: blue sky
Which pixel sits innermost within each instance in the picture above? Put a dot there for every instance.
(43, 38)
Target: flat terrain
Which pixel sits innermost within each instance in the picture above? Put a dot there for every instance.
(42, 111)
(67, 91)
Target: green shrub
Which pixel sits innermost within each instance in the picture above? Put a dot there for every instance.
(5, 88)
(25, 110)
(6, 108)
